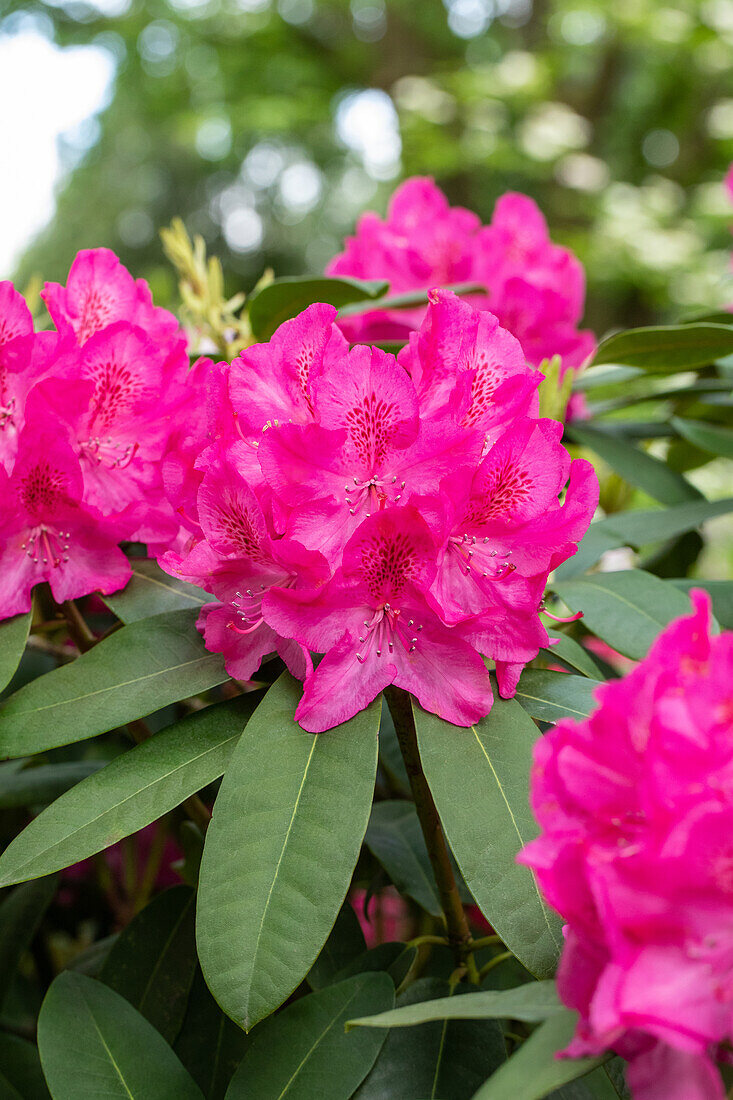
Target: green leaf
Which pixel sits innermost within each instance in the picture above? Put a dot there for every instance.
(408, 299)
(532, 1003)
(572, 653)
(93, 1044)
(30, 786)
(21, 1076)
(721, 593)
(394, 957)
(550, 696)
(150, 591)
(479, 778)
(394, 837)
(209, 1044)
(133, 790)
(636, 466)
(153, 960)
(605, 376)
(626, 609)
(668, 348)
(13, 636)
(292, 811)
(304, 1051)
(284, 298)
(21, 912)
(709, 437)
(534, 1071)
(445, 1058)
(345, 943)
(138, 669)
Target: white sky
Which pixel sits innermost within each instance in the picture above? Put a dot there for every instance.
(44, 92)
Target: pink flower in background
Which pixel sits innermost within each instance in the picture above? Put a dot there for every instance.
(636, 853)
(535, 288)
(339, 501)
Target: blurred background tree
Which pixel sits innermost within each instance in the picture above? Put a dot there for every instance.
(269, 125)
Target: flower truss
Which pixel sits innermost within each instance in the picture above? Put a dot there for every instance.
(535, 288)
(85, 416)
(636, 853)
(398, 517)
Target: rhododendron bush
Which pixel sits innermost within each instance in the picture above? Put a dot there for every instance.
(300, 594)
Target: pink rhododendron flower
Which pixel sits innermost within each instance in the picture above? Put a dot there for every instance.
(636, 853)
(399, 518)
(535, 288)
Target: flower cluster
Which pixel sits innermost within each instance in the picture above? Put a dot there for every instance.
(636, 853)
(399, 517)
(535, 288)
(86, 412)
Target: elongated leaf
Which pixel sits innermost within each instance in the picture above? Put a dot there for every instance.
(596, 541)
(21, 1076)
(285, 298)
(626, 609)
(304, 1051)
(131, 791)
(710, 437)
(479, 778)
(292, 811)
(395, 838)
(93, 1044)
(572, 653)
(550, 696)
(533, 1002)
(138, 669)
(13, 636)
(345, 943)
(534, 1071)
(445, 1058)
(604, 376)
(153, 960)
(29, 786)
(209, 1044)
(150, 591)
(643, 527)
(408, 299)
(21, 913)
(636, 466)
(721, 593)
(394, 958)
(667, 348)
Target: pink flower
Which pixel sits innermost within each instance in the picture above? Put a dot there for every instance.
(47, 534)
(536, 289)
(636, 810)
(373, 622)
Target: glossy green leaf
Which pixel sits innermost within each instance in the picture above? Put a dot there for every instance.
(135, 671)
(30, 786)
(292, 811)
(395, 838)
(13, 636)
(668, 348)
(150, 591)
(625, 609)
(605, 376)
(21, 1076)
(447, 1058)
(709, 437)
(647, 526)
(534, 1071)
(393, 957)
(533, 1002)
(479, 778)
(133, 790)
(721, 593)
(408, 299)
(573, 654)
(305, 1052)
(550, 696)
(21, 913)
(282, 299)
(344, 944)
(153, 960)
(209, 1044)
(94, 1044)
(596, 541)
(635, 466)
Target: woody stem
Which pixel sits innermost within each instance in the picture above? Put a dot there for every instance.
(459, 933)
